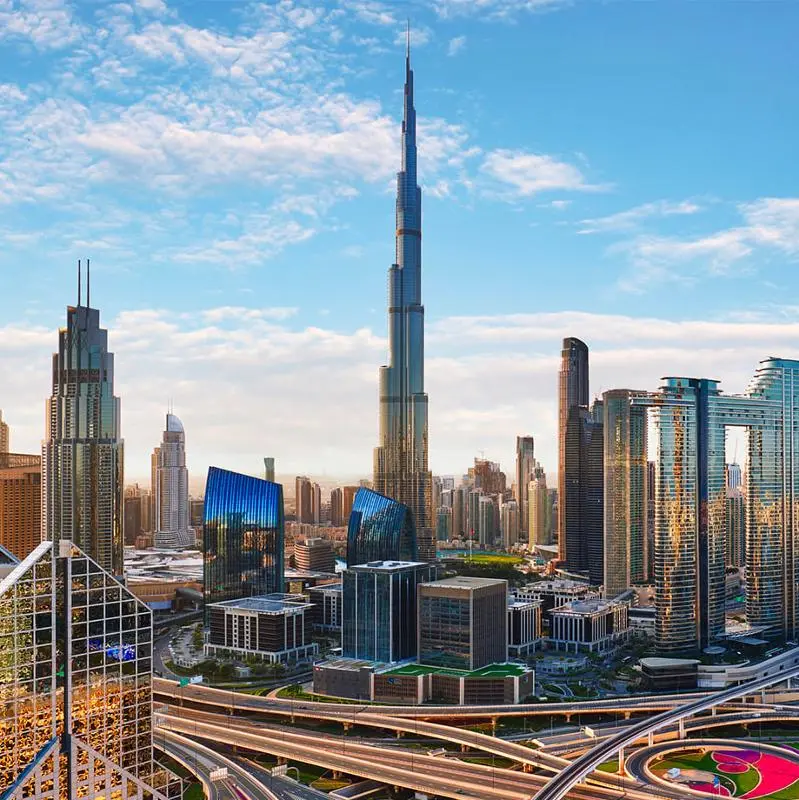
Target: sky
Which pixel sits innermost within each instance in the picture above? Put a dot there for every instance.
(624, 172)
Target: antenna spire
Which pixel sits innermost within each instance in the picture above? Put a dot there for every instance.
(408, 39)
(88, 283)
(79, 292)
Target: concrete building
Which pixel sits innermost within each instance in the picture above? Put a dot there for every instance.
(337, 518)
(314, 554)
(269, 469)
(170, 489)
(524, 627)
(379, 617)
(20, 503)
(327, 606)
(509, 523)
(443, 524)
(273, 627)
(589, 626)
(462, 622)
(537, 506)
(5, 438)
(525, 467)
(131, 517)
(303, 499)
(553, 593)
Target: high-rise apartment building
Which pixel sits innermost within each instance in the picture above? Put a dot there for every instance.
(20, 503)
(487, 530)
(171, 489)
(525, 466)
(734, 476)
(460, 504)
(487, 476)
(400, 459)
(379, 529)
(580, 467)
(269, 469)
(75, 683)
(82, 454)
(348, 498)
(5, 438)
(736, 529)
(625, 486)
(316, 503)
(510, 523)
(462, 622)
(131, 518)
(538, 530)
(444, 524)
(243, 536)
(303, 499)
(337, 518)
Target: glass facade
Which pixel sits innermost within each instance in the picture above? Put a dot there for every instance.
(379, 609)
(625, 505)
(82, 455)
(243, 536)
(75, 683)
(401, 457)
(380, 529)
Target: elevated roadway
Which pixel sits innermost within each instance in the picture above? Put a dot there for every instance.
(565, 781)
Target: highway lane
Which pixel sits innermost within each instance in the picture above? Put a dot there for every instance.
(284, 788)
(563, 783)
(200, 765)
(417, 772)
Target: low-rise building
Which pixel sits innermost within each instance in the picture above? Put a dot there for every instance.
(326, 611)
(350, 678)
(589, 626)
(553, 593)
(669, 674)
(272, 627)
(315, 555)
(524, 627)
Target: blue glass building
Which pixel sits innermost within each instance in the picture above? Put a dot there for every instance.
(380, 529)
(243, 536)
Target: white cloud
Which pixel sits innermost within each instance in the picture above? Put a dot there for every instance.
(456, 45)
(527, 174)
(48, 24)
(625, 220)
(494, 9)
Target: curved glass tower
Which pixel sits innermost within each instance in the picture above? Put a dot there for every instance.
(380, 529)
(400, 459)
(243, 536)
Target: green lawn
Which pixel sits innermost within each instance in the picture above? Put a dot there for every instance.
(609, 766)
(493, 558)
(194, 792)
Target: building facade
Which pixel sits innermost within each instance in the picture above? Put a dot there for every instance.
(273, 627)
(171, 489)
(589, 625)
(269, 469)
(379, 609)
(462, 622)
(5, 438)
(379, 529)
(401, 457)
(326, 611)
(82, 454)
(625, 488)
(314, 554)
(20, 503)
(243, 536)
(525, 468)
(538, 528)
(75, 683)
(524, 627)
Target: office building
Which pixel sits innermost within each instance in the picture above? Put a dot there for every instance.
(326, 606)
(552, 594)
(525, 467)
(462, 622)
(650, 520)
(444, 524)
(580, 467)
(400, 459)
(734, 477)
(132, 518)
(736, 529)
(316, 503)
(314, 554)
(273, 627)
(337, 518)
(170, 489)
(538, 524)
(379, 609)
(5, 439)
(303, 499)
(348, 498)
(196, 508)
(625, 485)
(487, 528)
(589, 625)
(269, 469)
(524, 627)
(487, 476)
(509, 523)
(20, 502)
(82, 455)
(243, 536)
(460, 505)
(75, 683)
(380, 529)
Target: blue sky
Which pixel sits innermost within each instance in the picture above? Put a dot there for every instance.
(625, 172)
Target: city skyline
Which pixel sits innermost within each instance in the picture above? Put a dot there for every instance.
(576, 200)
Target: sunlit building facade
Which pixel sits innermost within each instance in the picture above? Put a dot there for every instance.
(525, 468)
(171, 489)
(82, 455)
(401, 457)
(625, 485)
(20, 502)
(243, 536)
(380, 529)
(75, 683)
(4, 435)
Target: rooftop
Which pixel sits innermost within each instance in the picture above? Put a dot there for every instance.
(506, 670)
(388, 566)
(266, 604)
(587, 606)
(463, 582)
(654, 663)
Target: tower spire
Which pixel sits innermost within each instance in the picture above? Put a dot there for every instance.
(79, 292)
(88, 283)
(408, 40)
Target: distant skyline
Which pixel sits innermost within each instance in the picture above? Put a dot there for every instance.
(620, 172)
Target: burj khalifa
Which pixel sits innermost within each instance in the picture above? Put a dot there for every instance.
(400, 460)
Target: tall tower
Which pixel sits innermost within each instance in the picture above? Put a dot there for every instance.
(82, 454)
(525, 467)
(4, 446)
(400, 459)
(171, 489)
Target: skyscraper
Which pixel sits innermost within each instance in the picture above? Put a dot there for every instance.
(537, 503)
(580, 467)
(4, 435)
(171, 489)
(82, 455)
(400, 459)
(379, 529)
(20, 503)
(303, 499)
(269, 469)
(337, 508)
(525, 466)
(625, 506)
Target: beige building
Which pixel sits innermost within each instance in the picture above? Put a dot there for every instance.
(4, 438)
(537, 499)
(314, 555)
(20, 503)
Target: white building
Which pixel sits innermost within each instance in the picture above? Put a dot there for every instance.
(589, 625)
(171, 489)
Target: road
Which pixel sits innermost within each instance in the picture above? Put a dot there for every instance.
(564, 782)
(284, 788)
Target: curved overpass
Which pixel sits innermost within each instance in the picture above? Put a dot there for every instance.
(579, 769)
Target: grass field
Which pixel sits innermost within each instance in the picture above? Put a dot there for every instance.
(745, 773)
(490, 671)
(502, 559)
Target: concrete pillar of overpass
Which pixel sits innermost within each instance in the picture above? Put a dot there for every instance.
(650, 738)
(568, 717)
(464, 748)
(763, 696)
(347, 725)
(627, 714)
(281, 760)
(621, 761)
(399, 734)
(713, 711)
(681, 728)
(494, 721)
